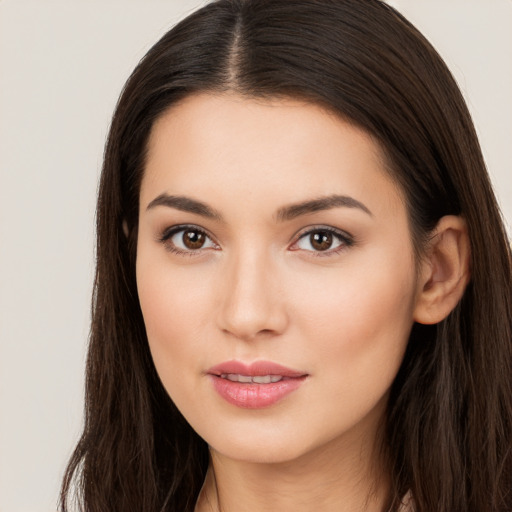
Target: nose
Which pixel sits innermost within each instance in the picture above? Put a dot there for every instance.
(252, 303)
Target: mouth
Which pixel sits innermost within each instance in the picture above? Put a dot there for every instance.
(241, 372)
(248, 379)
(255, 386)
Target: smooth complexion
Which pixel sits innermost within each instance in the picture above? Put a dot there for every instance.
(271, 232)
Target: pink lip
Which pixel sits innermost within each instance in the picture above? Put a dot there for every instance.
(253, 395)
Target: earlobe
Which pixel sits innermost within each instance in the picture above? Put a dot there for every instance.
(444, 272)
(126, 231)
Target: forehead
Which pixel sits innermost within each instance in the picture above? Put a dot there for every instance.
(227, 146)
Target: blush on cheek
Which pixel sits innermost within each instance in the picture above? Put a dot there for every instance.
(173, 312)
(361, 316)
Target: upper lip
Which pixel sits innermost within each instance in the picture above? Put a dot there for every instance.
(257, 368)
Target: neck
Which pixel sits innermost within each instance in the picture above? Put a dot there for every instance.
(341, 476)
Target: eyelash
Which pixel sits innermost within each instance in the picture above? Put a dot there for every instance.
(346, 240)
(168, 233)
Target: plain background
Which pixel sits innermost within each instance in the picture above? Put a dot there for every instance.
(62, 66)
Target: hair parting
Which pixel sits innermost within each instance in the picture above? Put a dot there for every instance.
(448, 429)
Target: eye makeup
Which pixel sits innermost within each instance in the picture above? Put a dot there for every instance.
(323, 241)
(187, 240)
(320, 240)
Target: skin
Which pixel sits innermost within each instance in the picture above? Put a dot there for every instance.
(259, 290)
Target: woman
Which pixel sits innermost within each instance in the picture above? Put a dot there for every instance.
(303, 286)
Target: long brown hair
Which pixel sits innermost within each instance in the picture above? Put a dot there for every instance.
(449, 420)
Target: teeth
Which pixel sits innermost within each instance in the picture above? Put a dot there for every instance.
(262, 380)
(257, 379)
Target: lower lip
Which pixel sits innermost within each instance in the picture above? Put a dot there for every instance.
(255, 396)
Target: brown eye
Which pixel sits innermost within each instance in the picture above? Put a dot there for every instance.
(182, 239)
(193, 239)
(321, 240)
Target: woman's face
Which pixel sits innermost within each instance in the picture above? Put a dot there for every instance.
(275, 273)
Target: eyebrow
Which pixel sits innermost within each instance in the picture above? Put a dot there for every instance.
(187, 204)
(323, 203)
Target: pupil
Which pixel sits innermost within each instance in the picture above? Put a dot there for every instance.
(193, 239)
(321, 240)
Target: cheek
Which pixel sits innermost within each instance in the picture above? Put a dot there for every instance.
(359, 322)
(175, 306)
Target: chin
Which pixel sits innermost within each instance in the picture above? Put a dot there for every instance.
(277, 444)
(269, 453)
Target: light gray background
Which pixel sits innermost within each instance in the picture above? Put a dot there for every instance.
(62, 66)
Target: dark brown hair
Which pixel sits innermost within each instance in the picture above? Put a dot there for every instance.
(449, 419)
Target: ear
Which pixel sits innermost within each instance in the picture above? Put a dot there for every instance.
(444, 271)
(126, 231)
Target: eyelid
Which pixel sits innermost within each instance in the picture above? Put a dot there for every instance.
(170, 231)
(346, 238)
